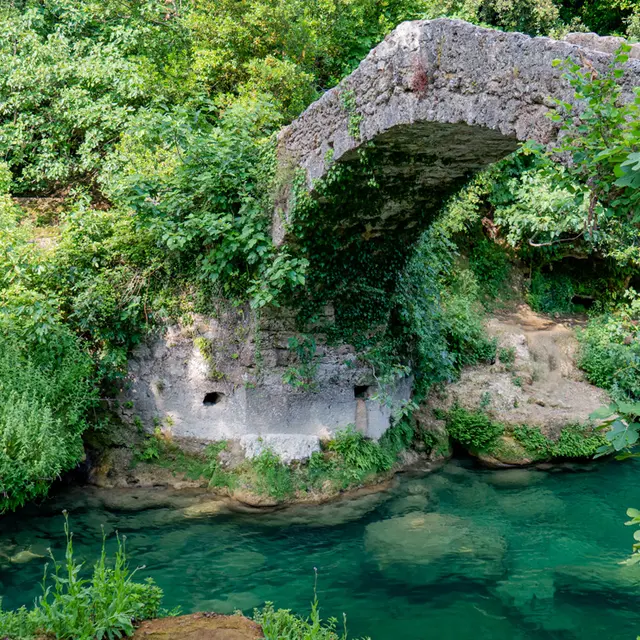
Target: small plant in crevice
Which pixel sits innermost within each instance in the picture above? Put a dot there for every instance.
(152, 447)
(302, 376)
(348, 101)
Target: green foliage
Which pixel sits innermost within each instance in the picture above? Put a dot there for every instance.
(348, 100)
(93, 65)
(45, 391)
(76, 608)
(578, 441)
(439, 313)
(160, 450)
(610, 349)
(21, 624)
(361, 457)
(574, 441)
(621, 423)
(601, 16)
(634, 514)
(153, 447)
(282, 624)
(302, 376)
(507, 355)
(274, 478)
(491, 266)
(602, 139)
(551, 293)
(473, 429)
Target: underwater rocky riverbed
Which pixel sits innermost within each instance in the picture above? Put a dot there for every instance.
(462, 553)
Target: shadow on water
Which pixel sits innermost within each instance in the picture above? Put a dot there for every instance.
(463, 553)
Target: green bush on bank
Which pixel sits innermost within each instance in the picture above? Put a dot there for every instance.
(282, 624)
(575, 441)
(610, 349)
(473, 429)
(46, 389)
(477, 432)
(348, 460)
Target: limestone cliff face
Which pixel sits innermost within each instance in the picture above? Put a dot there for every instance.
(224, 378)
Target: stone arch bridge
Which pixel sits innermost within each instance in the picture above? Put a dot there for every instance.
(440, 100)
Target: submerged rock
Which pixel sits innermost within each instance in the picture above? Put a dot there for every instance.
(531, 505)
(408, 504)
(623, 579)
(424, 547)
(206, 508)
(514, 478)
(351, 508)
(24, 556)
(199, 626)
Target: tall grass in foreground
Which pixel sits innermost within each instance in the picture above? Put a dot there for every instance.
(281, 624)
(107, 605)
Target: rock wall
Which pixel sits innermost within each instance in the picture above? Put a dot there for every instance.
(222, 379)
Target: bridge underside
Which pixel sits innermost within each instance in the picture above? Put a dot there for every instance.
(415, 168)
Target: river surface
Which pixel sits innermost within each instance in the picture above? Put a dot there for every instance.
(460, 554)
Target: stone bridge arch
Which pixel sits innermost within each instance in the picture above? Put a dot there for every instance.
(440, 100)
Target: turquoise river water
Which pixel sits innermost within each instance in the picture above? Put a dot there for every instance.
(460, 554)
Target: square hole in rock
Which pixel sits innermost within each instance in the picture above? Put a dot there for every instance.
(361, 390)
(213, 397)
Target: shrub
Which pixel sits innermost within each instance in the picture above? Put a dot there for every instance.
(21, 624)
(490, 264)
(533, 440)
(610, 350)
(45, 391)
(473, 429)
(507, 355)
(359, 455)
(273, 477)
(551, 293)
(575, 441)
(282, 624)
(578, 441)
(74, 608)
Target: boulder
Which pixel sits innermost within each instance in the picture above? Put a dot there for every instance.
(199, 626)
(288, 447)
